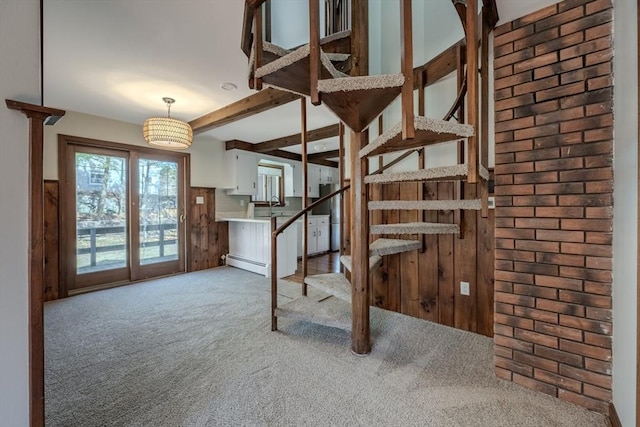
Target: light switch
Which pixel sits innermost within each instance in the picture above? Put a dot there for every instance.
(199, 200)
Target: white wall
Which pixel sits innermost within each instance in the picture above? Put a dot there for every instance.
(19, 80)
(207, 154)
(625, 213)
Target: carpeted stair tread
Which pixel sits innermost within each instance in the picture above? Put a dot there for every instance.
(428, 131)
(374, 261)
(348, 83)
(284, 61)
(441, 173)
(335, 284)
(427, 205)
(384, 247)
(327, 312)
(415, 228)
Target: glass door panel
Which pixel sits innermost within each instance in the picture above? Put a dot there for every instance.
(159, 211)
(101, 212)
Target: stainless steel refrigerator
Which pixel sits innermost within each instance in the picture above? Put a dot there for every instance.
(332, 208)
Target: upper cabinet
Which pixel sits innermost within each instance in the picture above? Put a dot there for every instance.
(242, 172)
(293, 179)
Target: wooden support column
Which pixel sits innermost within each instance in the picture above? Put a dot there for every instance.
(459, 214)
(37, 116)
(484, 111)
(406, 49)
(314, 50)
(305, 194)
(359, 37)
(472, 89)
(341, 159)
(360, 336)
(257, 46)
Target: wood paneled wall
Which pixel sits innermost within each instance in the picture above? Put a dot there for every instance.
(208, 239)
(426, 284)
(51, 283)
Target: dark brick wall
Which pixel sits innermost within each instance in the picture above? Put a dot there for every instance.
(554, 185)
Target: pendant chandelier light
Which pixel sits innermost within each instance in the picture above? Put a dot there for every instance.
(167, 132)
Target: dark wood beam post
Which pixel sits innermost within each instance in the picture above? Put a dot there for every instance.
(484, 111)
(305, 194)
(295, 139)
(359, 37)
(459, 214)
(472, 89)
(37, 116)
(341, 160)
(314, 50)
(406, 42)
(360, 332)
(257, 46)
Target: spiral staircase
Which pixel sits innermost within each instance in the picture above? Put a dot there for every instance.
(328, 71)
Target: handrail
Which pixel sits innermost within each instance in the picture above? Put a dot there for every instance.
(274, 249)
(294, 218)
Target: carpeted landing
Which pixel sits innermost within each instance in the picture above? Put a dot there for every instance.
(197, 350)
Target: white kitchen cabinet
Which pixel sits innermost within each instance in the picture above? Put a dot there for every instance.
(319, 236)
(327, 175)
(242, 168)
(293, 179)
(313, 180)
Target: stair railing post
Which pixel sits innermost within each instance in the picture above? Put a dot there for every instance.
(484, 111)
(305, 194)
(341, 197)
(406, 40)
(472, 89)
(459, 214)
(274, 275)
(314, 50)
(257, 46)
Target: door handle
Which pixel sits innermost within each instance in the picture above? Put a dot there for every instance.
(182, 217)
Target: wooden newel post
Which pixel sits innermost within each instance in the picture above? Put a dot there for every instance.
(360, 328)
(37, 116)
(274, 275)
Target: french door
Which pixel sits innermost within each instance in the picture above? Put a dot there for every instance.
(123, 213)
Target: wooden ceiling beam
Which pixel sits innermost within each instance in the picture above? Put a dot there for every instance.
(323, 155)
(247, 146)
(295, 139)
(262, 101)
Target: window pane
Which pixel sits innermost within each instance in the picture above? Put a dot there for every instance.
(101, 212)
(158, 211)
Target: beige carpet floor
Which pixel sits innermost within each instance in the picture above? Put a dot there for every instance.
(197, 350)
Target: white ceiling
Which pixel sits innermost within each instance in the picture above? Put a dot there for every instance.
(118, 58)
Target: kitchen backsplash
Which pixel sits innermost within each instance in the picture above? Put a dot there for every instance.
(237, 205)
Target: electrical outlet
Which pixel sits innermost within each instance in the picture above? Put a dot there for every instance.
(464, 288)
(491, 202)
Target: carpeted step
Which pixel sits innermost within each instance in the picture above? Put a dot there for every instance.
(426, 205)
(284, 61)
(428, 132)
(327, 312)
(349, 84)
(415, 228)
(374, 261)
(331, 283)
(442, 173)
(384, 247)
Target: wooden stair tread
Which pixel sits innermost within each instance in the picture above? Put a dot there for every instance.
(383, 247)
(415, 228)
(326, 312)
(441, 173)
(428, 132)
(427, 205)
(335, 284)
(374, 261)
